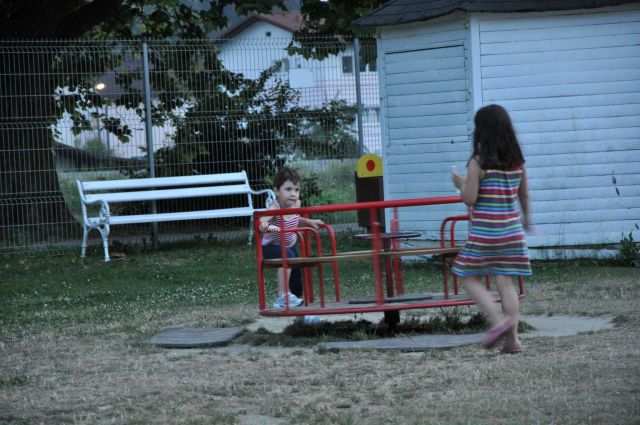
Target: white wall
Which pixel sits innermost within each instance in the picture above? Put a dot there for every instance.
(571, 82)
(425, 125)
(252, 51)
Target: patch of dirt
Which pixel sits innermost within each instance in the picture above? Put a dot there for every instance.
(73, 375)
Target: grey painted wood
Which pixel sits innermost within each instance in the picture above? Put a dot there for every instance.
(187, 337)
(571, 83)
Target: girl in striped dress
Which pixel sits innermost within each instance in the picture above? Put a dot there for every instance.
(286, 185)
(496, 182)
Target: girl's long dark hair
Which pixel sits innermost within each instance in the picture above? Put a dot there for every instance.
(494, 140)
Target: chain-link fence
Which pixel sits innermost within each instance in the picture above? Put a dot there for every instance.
(107, 110)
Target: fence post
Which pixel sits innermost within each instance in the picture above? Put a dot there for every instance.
(149, 134)
(356, 58)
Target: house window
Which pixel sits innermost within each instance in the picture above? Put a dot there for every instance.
(268, 34)
(372, 66)
(347, 64)
(368, 58)
(367, 66)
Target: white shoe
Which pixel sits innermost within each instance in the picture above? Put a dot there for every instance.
(293, 301)
(312, 320)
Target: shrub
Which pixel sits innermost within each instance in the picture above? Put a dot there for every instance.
(629, 252)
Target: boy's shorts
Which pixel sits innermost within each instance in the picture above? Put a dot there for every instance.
(273, 251)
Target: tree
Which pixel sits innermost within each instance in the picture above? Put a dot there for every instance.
(327, 24)
(26, 85)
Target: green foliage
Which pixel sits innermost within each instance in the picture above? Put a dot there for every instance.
(327, 132)
(12, 381)
(94, 146)
(328, 25)
(121, 19)
(310, 190)
(629, 251)
(333, 185)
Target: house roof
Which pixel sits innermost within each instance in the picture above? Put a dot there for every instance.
(289, 21)
(406, 11)
(82, 157)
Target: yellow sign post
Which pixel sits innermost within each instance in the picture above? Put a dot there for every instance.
(369, 187)
(369, 165)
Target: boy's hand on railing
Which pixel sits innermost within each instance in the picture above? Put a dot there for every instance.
(315, 223)
(268, 228)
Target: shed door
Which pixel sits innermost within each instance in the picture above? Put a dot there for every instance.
(427, 129)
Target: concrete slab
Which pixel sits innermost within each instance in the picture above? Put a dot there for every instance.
(277, 324)
(548, 326)
(555, 326)
(406, 343)
(185, 337)
(545, 326)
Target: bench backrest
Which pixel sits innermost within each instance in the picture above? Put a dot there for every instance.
(159, 188)
(158, 182)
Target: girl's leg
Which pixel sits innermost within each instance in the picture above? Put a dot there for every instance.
(479, 294)
(510, 306)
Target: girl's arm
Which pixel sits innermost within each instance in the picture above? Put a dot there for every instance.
(469, 186)
(523, 197)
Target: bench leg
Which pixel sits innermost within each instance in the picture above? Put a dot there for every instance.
(250, 231)
(104, 232)
(85, 237)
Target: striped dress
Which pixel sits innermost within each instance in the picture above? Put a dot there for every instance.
(496, 243)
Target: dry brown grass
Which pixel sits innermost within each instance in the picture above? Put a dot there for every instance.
(85, 375)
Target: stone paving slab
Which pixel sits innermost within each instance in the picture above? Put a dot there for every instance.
(407, 343)
(545, 326)
(185, 337)
(555, 326)
(548, 326)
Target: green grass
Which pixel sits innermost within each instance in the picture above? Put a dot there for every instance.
(51, 291)
(73, 345)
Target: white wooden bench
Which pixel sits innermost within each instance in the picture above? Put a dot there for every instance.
(108, 192)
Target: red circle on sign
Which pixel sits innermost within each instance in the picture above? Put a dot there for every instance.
(371, 165)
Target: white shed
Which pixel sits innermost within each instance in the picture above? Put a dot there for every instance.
(568, 72)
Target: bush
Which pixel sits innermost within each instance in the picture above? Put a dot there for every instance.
(629, 252)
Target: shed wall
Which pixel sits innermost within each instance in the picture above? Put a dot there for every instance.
(571, 83)
(425, 105)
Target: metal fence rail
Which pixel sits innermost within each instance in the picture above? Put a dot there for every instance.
(81, 110)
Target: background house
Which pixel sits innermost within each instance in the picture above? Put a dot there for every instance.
(255, 42)
(567, 72)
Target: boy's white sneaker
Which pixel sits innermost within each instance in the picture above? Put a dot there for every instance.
(293, 301)
(312, 320)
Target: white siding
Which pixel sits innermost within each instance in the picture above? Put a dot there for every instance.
(252, 51)
(426, 109)
(571, 82)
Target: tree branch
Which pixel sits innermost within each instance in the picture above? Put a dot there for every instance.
(84, 18)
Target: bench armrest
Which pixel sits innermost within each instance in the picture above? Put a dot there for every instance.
(271, 197)
(104, 206)
(104, 209)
